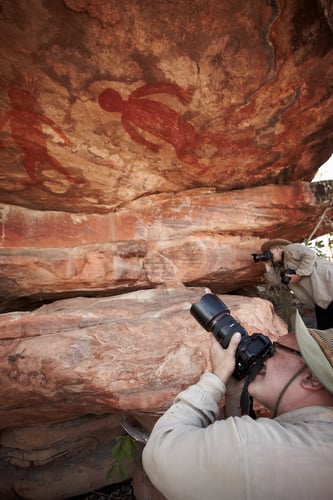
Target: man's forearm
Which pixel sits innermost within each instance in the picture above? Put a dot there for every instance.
(197, 406)
(188, 453)
(179, 429)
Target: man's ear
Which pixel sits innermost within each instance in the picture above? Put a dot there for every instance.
(310, 382)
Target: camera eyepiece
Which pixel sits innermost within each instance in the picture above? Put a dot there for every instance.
(214, 316)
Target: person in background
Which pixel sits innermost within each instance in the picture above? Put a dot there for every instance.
(309, 276)
(192, 454)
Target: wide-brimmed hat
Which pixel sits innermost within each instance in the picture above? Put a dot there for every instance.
(316, 347)
(274, 243)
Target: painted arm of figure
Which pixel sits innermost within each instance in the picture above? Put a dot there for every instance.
(50, 123)
(138, 138)
(3, 119)
(183, 95)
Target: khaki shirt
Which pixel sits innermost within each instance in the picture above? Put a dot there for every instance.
(316, 284)
(192, 456)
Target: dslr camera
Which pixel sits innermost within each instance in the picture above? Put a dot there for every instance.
(214, 316)
(257, 257)
(284, 278)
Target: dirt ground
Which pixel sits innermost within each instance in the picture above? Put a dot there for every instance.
(119, 491)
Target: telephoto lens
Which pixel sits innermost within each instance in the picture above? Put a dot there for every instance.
(214, 316)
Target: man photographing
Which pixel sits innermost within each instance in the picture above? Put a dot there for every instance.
(309, 276)
(192, 454)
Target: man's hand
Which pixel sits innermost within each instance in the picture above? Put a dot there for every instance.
(224, 360)
(294, 278)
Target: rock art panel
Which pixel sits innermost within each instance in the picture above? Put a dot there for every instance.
(148, 145)
(163, 99)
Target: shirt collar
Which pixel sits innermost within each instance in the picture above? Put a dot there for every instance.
(307, 414)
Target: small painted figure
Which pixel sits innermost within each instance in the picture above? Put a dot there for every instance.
(26, 118)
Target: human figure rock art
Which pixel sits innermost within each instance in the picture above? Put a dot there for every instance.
(25, 118)
(158, 119)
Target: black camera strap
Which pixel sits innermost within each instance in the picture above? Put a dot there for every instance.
(246, 401)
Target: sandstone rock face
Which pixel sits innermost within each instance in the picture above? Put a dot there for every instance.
(198, 237)
(56, 461)
(129, 353)
(145, 146)
(112, 121)
(71, 369)
(101, 105)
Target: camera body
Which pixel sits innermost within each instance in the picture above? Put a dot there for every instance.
(284, 278)
(267, 255)
(214, 316)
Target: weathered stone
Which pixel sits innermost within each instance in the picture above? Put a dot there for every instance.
(199, 237)
(129, 353)
(131, 135)
(101, 105)
(70, 370)
(57, 461)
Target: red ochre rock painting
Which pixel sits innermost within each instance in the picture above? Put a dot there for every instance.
(158, 119)
(25, 118)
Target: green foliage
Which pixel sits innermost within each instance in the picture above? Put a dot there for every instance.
(323, 245)
(125, 450)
